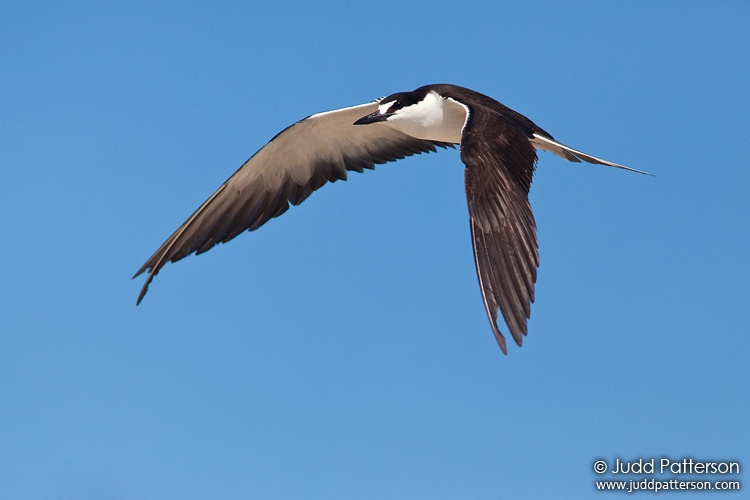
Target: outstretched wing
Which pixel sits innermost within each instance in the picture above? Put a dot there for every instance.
(497, 178)
(296, 162)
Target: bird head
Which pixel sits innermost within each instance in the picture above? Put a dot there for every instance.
(394, 107)
(423, 114)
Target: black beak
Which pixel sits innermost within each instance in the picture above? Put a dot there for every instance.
(373, 118)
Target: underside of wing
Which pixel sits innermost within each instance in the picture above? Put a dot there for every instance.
(296, 162)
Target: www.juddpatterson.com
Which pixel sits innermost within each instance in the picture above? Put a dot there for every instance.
(655, 485)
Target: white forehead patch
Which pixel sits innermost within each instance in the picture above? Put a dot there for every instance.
(383, 108)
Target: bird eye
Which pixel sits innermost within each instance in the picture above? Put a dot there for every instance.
(394, 102)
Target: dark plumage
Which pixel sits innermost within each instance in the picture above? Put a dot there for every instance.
(498, 147)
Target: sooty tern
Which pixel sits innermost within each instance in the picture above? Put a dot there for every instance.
(498, 147)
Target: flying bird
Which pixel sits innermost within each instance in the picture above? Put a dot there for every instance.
(497, 145)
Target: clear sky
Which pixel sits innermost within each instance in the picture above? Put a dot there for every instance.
(342, 350)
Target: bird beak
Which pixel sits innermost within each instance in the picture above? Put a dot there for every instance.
(377, 116)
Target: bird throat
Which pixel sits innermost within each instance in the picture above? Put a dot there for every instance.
(434, 118)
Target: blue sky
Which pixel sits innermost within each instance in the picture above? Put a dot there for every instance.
(342, 350)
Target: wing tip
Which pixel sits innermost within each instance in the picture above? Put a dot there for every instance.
(517, 337)
(499, 337)
(144, 289)
(149, 279)
(139, 272)
(501, 342)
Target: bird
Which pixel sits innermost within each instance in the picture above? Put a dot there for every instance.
(497, 145)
